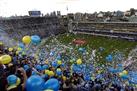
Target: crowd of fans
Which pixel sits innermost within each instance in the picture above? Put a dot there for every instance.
(24, 66)
(128, 36)
(44, 26)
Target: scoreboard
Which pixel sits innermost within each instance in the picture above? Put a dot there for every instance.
(34, 13)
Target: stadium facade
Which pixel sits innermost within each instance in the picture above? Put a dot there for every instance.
(53, 25)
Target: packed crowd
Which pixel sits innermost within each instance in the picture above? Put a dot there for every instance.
(44, 26)
(23, 72)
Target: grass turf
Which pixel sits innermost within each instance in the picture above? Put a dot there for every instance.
(95, 42)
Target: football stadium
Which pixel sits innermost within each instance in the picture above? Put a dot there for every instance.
(72, 52)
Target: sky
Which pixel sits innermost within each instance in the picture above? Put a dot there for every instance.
(21, 7)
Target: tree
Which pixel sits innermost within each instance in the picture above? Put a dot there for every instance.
(132, 11)
(108, 14)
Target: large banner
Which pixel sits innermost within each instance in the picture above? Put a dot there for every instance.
(34, 13)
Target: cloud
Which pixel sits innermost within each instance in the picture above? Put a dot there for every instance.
(21, 7)
(66, 1)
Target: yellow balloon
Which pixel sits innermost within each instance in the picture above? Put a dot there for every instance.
(46, 71)
(48, 90)
(79, 61)
(27, 49)
(10, 49)
(26, 39)
(125, 72)
(71, 61)
(64, 78)
(46, 62)
(18, 81)
(17, 52)
(19, 49)
(1, 43)
(51, 73)
(120, 74)
(23, 53)
(5, 59)
(99, 71)
(59, 62)
(58, 69)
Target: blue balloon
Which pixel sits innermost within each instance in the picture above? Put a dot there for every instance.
(109, 58)
(59, 72)
(35, 39)
(132, 74)
(77, 69)
(38, 67)
(125, 77)
(54, 64)
(52, 84)
(62, 65)
(74, 68)
(26, 67)
(81, 49)
(119, 65)
(110, 69)
(133, 81)
(35, 83)
(21, 45)
(119, 69)
(87, 78)
(113, 70)
(12, 79)
(44, 67)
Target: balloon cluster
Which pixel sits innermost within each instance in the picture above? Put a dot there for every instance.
(13, 80)
(124, 75)
(26, 39)
(5, 59)
(35, 39)
(109, 58)
(36, 83)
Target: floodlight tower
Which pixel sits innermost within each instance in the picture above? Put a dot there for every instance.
(70, 28)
